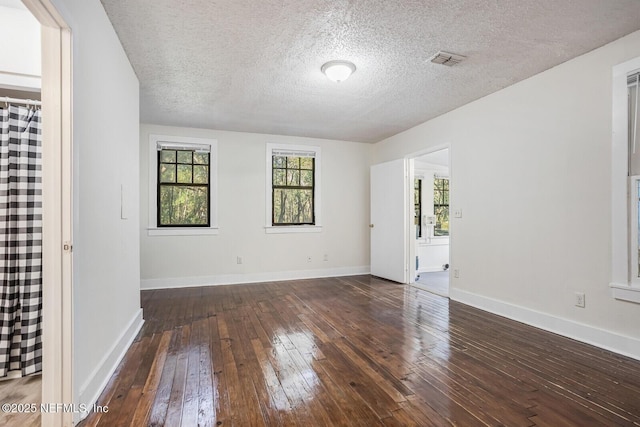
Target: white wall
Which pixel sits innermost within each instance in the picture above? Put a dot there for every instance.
(168, 261)
(531, 171)
(106, 271)
(20, 49)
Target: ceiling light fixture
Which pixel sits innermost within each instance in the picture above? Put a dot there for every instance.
(338, 71)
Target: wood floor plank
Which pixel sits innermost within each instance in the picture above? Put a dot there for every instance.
(163, 394)
(206, 412)
(141, 415)
(176, 401)
(355, 351)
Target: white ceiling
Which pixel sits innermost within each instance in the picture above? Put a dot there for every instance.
(15, 4)
(254, 65)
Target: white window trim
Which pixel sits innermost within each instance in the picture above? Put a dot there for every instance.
(622, 286)
(271, 229)
(187, 142)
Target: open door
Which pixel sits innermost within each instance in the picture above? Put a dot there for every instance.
(389, 221)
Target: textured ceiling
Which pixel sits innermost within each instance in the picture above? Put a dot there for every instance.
(254, 65)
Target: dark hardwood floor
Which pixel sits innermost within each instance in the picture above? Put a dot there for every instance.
(356, 351)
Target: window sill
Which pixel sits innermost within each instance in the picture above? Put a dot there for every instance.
(625, 292)
(281, 229)
(182, 231)
(434, 241)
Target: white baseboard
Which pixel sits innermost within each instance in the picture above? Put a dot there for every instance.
(233, 279)
(92, 388)
(607, 340)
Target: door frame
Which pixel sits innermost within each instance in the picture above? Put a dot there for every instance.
(411, 231)
(57, 197)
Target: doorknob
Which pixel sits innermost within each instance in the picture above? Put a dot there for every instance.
(370, 225)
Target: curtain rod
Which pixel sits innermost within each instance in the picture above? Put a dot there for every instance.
(7, 100)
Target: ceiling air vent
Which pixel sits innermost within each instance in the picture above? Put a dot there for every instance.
(446, 58)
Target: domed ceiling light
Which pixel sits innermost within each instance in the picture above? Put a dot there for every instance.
(338, 71)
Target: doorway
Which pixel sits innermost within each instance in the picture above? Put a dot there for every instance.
(22, 281)
(431, 238)
(57, 165)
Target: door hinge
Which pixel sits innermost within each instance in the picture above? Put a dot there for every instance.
(67, 247)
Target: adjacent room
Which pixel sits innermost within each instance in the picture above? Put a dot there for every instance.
(325, 213)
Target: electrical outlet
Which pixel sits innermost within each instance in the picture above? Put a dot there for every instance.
(457, 213)
(579, 299)
(239, 260)
(309, 258)
(456, 273)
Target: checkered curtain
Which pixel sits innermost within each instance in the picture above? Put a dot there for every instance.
(21, 240)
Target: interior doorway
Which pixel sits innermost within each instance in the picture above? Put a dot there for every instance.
(21, 363)
(57, 219)
(431, 234)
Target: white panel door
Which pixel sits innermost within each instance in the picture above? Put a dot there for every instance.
(389, 221)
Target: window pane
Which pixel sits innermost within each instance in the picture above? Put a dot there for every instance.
(634, 131)
(292, 206)
(278, 177)
(306, 178)
(306, 163)
(200, 174)
(201, 158)
(168, 156)
(293, 177)
(185, 156)
(293, 162)
(279, 162)
(184, 174)
(167, 173)
(441, 206)
(181, 205)
(442, 221)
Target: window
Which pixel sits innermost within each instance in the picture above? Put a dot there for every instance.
(417, 206)
(183, 188)
(625, 180)
(633, 127)
(292, 188)
(633, 144)
(441, 206)
(182, 185)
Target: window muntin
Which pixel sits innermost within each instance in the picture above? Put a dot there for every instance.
(183, 188)
(293, 189)
(441, 206)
